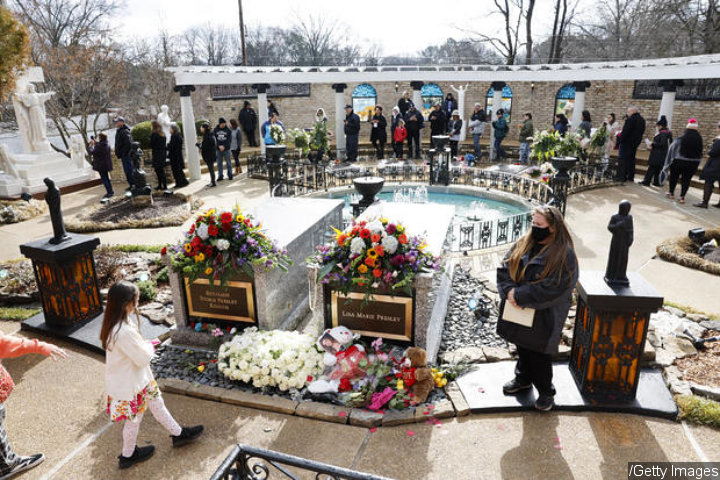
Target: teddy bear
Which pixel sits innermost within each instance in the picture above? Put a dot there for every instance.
(341, 359)
(417, 376)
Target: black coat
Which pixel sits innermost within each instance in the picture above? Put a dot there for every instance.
(352, 124)
(208, 146)
(416, 125)
(404, 105)
(101, 160)
(380, 132)
(550, 299)
(248, 119)
(175, 150)
(123, 140)
(711, 170)
(222, 136)
(158, 145)
(438, 122)
(454, 127)
(632, 132)
(448, 106)
(659, 148)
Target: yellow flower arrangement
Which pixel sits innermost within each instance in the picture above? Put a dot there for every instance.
(372, 253)
(400, 385)
(362, 268)
(199, 257)
(208, 271)
(439, 378)
(188, 247)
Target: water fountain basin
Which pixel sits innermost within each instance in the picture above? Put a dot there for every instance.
(368, 187)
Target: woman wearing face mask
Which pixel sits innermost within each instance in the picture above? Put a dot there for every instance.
(540, 273)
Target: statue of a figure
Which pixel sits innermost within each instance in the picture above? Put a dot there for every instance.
(78, 152)
(621, 227)
(52, 197)
(6, 164)
(32, 118)
(140, 186)
(164, 120)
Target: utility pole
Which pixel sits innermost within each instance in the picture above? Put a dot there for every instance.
(242, 33)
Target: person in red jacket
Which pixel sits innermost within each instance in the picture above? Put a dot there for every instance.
(11, 347)
(399, 135)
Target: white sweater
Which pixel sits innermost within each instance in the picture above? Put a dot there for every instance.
(127, 362)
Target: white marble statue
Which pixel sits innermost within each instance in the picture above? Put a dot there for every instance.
(6, 163)
(31, 117)
(164, 120)
(77, 152)
(461, 106)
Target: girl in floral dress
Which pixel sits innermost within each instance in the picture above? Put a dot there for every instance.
(130, 384)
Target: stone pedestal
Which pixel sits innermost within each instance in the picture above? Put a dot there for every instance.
(610, 333)
(32, 168)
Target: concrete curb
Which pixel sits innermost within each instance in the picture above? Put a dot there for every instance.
(325, 412)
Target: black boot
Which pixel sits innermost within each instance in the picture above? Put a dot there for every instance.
(139, 455)
(187, 435)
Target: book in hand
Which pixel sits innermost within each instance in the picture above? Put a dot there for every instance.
(513, 314)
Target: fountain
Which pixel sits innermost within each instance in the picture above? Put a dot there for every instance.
(368, 187)
(411, 195)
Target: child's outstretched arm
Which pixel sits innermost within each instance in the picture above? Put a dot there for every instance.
(12, 346)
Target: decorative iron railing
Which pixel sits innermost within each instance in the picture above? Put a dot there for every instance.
(251, 463)
(479, 235)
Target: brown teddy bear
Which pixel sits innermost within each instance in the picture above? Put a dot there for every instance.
(417, 376)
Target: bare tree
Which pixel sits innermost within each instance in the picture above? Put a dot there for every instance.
(528, 32)
(314, 40)
(464, 51)
(506, 43)
(564, 11)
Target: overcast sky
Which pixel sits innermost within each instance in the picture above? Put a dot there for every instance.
(398, 27)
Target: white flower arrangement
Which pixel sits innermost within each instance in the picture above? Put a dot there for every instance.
(222, 244)
(357, 246)
(202, 231)
(274, 358)
(390, 244)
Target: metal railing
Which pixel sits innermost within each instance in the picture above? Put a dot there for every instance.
(479, 235)
(251, 463)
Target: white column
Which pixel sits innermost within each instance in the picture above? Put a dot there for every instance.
(461, 107)
(497, 103)
(579, 104)
(261, 89)
(339, 119)
(417, 100)
(189, 133)
(667, 103)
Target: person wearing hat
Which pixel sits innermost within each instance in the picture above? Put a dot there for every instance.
(682, 160)
(501, 130)
(223, 139)
(352, 130)
(123, 141)
(658, 151)
(413, 123)
(630, 138)
(249, 122)
(477, 128)
(208, 150)
(454, 127)
(378, 134)
(711, 172)
(438, 120)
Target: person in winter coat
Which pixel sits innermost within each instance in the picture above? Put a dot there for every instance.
(352, 130)
(123, 142)
(630, 138)
(158, 146)
(235, 144)
(175, 154)
(585, 127)
(208, 152)
(413, 123)
(682, 160)
(658, 151)
(378, 134)
(526, 132)
(501, 129)
(711, 172)
(223, 139)
(130, 384)
(539, 272)
(102, 162)
(394, 121)
(13, 347)
(249, 122)
(449, 105)
(438, 121)
(272, 109)
(404, 103)
(264, 130)
(454, 127)
(399, 136)
(477, 128)
(561, 124)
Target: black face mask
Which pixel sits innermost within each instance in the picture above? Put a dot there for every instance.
(539, 234)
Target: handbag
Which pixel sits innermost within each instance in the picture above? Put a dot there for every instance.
(6, 384)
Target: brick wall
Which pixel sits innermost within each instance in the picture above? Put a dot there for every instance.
(601, 98)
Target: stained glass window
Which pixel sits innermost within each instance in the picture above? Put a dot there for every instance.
(364, 99)
(507, 96)
(431, 93)
(565, 100)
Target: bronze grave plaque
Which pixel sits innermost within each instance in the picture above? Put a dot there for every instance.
(385, 316)
(230, 302)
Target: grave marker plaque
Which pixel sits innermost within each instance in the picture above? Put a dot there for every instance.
(386, 316)
(233, 302)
